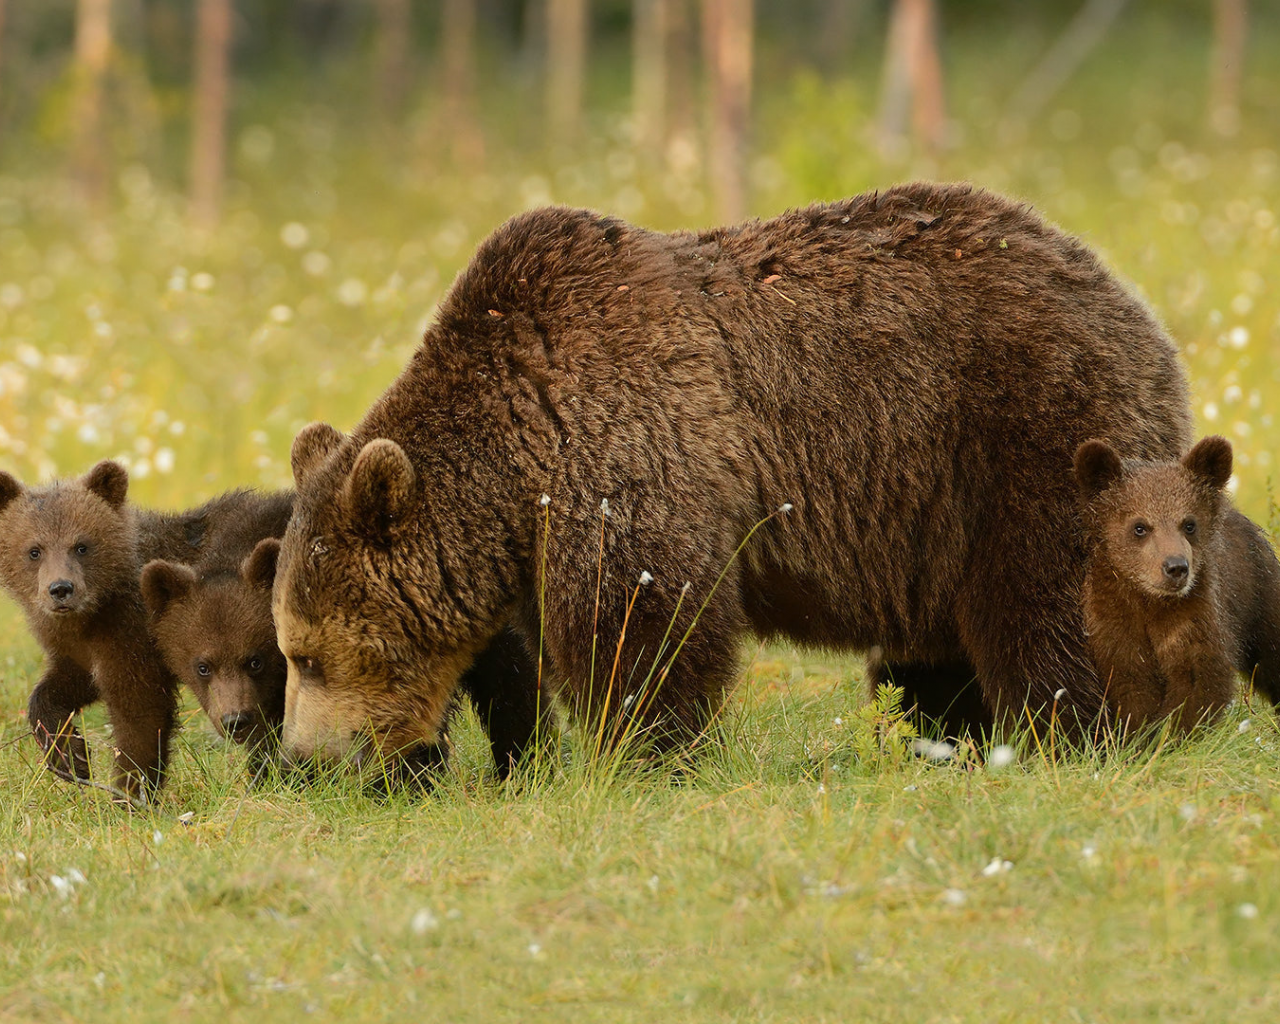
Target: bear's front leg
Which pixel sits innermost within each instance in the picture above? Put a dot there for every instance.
(503, 685)
(141, 699)
(1200, 678)
(63, 690)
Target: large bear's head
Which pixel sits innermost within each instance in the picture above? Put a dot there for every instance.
(67, 547)
(371, 609)
(1155, 523)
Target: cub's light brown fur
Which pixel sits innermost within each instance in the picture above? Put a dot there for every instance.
(1181, 589)
(910, 370)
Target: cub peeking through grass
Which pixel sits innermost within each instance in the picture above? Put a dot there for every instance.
(1181, 589)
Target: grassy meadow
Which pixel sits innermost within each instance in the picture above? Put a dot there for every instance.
(807, 868)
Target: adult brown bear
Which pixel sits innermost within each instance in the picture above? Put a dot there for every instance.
(910, 371)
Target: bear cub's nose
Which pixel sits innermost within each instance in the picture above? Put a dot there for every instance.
(60, 590)
(1176, 568)
(236, 723)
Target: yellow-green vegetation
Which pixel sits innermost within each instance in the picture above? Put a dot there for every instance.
(808, 867)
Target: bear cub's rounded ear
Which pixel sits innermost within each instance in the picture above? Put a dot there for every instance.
(381, 488)
(109, 481)
(1097, 466)
(163, 583)
(259, 568)
(10, 488)
(1210, 460)
(311, 448)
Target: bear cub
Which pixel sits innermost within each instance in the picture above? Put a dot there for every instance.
(212, 623)
(1181, 590)
(69, 554)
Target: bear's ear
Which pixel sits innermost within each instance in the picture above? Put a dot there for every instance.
(109, 481)
(313, 445)
(9, 489)
(1098, 466)
(381, 488)
(259, 569)
(1210, 460)
(163, 583)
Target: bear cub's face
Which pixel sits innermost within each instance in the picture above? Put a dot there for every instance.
(67, 547)
(1153, 523)
(216, 635)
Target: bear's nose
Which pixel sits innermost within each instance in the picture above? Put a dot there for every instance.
(60, 590)
(237, 724)
(1176, 568)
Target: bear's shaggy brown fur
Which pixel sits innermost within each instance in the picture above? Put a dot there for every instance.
(212, 622)
(1181, 589)
(909, 371)
(70, 554)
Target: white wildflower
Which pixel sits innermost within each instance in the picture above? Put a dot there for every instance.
(1060, 694)
(352, 292)
(1244, 726)
(295, 235)
(1247, 910)
(933, 750)
(645, 578)
(1001, 756)
(997, 867)
(424, 921)
(954, 897)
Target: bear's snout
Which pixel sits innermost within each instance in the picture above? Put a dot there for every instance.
(1176, 568)
(239, 725)
(62, 591)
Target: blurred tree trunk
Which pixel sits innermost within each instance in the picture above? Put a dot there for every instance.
(682, 117)
(92, 51)
(1086, 30)
(391, 54)
(209, 120)
(458, 46)
(838, 25)
(913, 77)
(1230, 25)
(727, 29)
(649, 71)
(566, 61)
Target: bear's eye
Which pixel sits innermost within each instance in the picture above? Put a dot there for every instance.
(255, 664)
(1141, 529)
(34, 554)
(203, 670)
(82, 549)
(1189, 527)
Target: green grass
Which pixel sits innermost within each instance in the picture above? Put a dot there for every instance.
(801, 871)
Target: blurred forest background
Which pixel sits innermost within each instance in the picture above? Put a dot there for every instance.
(220, 219)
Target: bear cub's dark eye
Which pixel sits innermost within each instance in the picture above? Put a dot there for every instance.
(203, 670)
(255, 664)
(82, 549)
(1141, 529)
(1189, 527)
(33, 554)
